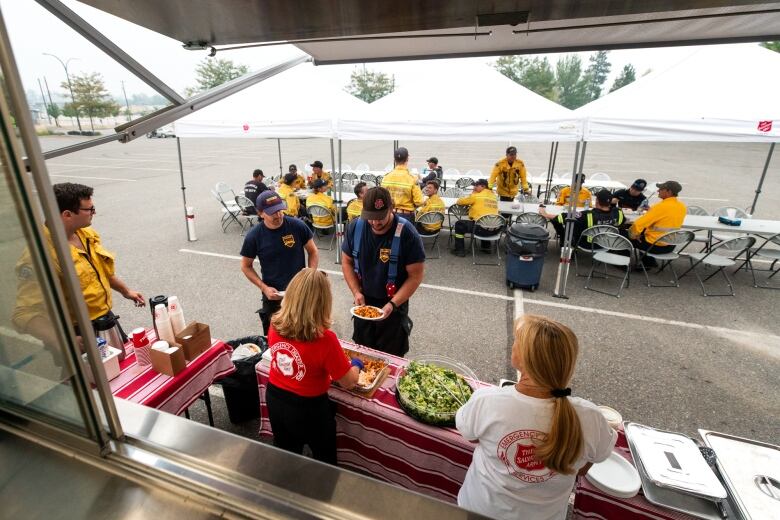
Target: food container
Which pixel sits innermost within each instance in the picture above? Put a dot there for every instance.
(613, 417)
(366, 358)
(110, 364)
(434, 396)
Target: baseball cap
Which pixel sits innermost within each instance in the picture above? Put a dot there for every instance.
(318, 183)
(673, 186)
(269, 202)
(511, 150)
(376, 203)
(434, 160)
(258, 173)
(639, 184)
(289, 178)
(292, 168)
(316, 164)
(604, 197)
(480, 182)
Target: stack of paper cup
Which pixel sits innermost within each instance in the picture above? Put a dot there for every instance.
(142, 347)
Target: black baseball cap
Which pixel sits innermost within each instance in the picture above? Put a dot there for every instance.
(292, 168)
(376, 203)
(258, 173)
(289, 178)
(480, 182)
(639, 184)
(434, 160)
(319, 183)
(604, 197)
(511, 150)
(673, 186)
(316, 164)
(269, 202)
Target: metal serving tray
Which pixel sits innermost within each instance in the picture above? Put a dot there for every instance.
(379, 375)
(751, 471)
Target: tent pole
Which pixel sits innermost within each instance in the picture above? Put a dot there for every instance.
(279, 150)
(339, 223)
(337, 198)
(183, 188)
(550, 170)
(763, 175)
(563, 266)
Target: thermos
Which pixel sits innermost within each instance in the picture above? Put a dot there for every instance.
(107, 327)
(153, 302)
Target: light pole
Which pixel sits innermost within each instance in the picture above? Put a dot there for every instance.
(70, 87)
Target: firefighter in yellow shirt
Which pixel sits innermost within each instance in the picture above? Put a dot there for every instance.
(355, 206)
(584, 196)
(300, 180)
(481, 202)
(318, 173)
(287, 192)
(509, 175)
(403, 186)
(433, 204)
(320, 198)
(668, 215)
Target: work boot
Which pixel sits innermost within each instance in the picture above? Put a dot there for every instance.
(460, 247)
(458, 252)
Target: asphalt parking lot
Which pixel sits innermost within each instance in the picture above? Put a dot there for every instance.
(665, 357)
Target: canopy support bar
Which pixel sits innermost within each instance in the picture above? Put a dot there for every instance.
(183, 189)
(279, 151)
(566, 250)
(550, 170)
(50, 154)
(339, 185)
(763, 175)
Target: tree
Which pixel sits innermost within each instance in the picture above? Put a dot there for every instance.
(596, 74)
(90, 96)
(54, 111)
(627, 75)
(369, 85)
(571, 91)
(772, 46)
(212, 72)
(534, 74)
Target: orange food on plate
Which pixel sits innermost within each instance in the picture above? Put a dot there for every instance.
(366, 311)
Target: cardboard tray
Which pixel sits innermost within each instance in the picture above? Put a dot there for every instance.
(168, 364)
(194, 339)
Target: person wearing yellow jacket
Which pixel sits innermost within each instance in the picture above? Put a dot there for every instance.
(668, 215)
(584, 195)
(355, 206)
(286, 191)
(481, 202)
(94, 267)
(320, 198)
(432, 204)
(300, 180)
(509, 175)
(318, 173)
(403, 186)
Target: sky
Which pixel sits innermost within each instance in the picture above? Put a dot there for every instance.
(34, 31)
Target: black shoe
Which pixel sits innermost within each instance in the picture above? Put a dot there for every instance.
(458, 252)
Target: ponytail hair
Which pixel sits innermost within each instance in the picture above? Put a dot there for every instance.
(547, 352)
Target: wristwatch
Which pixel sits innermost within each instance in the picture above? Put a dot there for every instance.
(395, 307)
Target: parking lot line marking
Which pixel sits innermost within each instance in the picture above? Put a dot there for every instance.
(94, 178)
(519, 307)
(104, 167)
(545, 303)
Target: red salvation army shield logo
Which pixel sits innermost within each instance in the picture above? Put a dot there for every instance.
(517, 451)
(765, 126)
(287, 360)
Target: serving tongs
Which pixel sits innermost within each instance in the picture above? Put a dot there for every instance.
(460, 400)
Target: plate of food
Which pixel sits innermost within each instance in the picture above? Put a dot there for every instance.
(374, 370)
(432, 390)
(367, 312)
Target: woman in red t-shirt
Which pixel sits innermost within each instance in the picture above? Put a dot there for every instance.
(306, 357)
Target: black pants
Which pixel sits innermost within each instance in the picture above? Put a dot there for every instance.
(408, 215)
(467, 226)
(643, 245)
(269, 307)
(390, 335)
(297, 421)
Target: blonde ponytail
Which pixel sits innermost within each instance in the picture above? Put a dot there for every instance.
(547, 352)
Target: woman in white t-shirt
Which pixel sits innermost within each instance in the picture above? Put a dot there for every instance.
(533, 438)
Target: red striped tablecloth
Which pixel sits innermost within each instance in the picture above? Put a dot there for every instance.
(376, 437)
(171, 394)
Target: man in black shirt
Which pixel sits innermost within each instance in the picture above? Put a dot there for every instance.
(255, 187)
(432, 173)
(371, 282)
(602, 215)
(278, 242)
(631, 198)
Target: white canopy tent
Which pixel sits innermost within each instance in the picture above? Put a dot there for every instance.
(465, 101)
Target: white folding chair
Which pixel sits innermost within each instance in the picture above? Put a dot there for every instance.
(771, 254)
(610, 242)
(229, 212)
(248, 210)
(600, 177)
(464, 183)
(531, 218)
(452, 172)
(586, 246)
(225, 192)
(362, 168)
(680, 240)
(455, 213)
(370, 179)
(699, 236)
(720, 257)
(474, 174)
(453, 193)
(346, 168)
(315, 210)
(727, 211)
(487, 228)
(431, 218)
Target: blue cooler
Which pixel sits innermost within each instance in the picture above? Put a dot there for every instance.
(526, 247)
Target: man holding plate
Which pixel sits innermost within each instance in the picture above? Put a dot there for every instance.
(382, 261)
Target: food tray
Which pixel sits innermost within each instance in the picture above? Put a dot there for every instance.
(380, 375)
(467, 379)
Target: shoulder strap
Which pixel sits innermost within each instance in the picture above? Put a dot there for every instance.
(395, 250)
(356, 239)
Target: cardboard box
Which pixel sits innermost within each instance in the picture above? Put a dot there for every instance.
(169, 364)
(194, 339)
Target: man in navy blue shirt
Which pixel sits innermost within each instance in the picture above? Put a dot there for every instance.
(278, 242)
(371, 284)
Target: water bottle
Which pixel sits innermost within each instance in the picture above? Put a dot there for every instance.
(102, 347)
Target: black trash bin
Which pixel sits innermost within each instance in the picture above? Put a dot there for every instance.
(526, 247)
(240, 387)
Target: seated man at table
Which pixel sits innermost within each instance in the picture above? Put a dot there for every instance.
(602, 215)
(481, 202)
(433, 172)
(255, 187)
(317, 173)
(355, 206)
(565, 195)
(320, 198)
(632, 197)
(668, 215)
(300, 181)
(286, 191)
(431, 204)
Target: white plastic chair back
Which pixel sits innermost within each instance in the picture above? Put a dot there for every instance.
(586, 237)
(454, 172)
(531, 218)
(491, 224)
(600, 177)
(464, 183)
(362, 168)
(346, 168)
(244, 203)
(613, 242)
(224, 191)
(431, 218)
(474, 174)
(696, 210)
(319, 211)
(453, 192)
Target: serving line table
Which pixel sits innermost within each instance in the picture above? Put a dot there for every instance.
(172, 394)
(609, 185)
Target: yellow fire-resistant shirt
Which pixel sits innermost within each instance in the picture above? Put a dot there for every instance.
(508, 177)
(94, 266)
(321, 199)
(299, 183)
(354, 208)
(480, 204)
(404, 189)
(565, 195)
(432, 203)
(668, 215)
(287, 192)
(325, 176)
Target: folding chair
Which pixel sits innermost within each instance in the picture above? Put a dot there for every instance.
(229, 213)
(585, 243)
(225, 192)
(453, 193)
(369, 178)
(680, 240)
(522, 197)
(464, 183)
(610, 242)
(451, 172)
(699, 236)
(431, 218)
(474, 174)
(248, 210)
(531, 218)
(362, 168)
(346, 168)
(455, 213)
(720, 257)
(724, 212)
(320, 211)
(772, 254)
(488, 228)
(600, 177)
